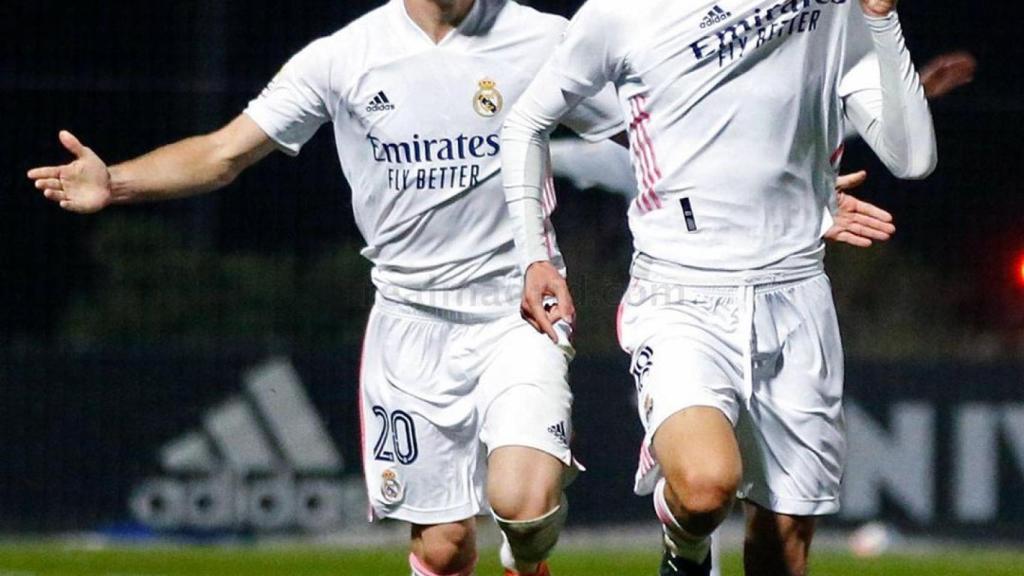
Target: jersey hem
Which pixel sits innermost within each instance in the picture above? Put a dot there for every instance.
(792, 506)
(651, 269)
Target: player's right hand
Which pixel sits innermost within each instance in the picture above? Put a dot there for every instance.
(856, 222)
(82, 186)
(544, 281)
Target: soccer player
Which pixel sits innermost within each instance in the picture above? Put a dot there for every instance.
(465, 408)
(736, 113)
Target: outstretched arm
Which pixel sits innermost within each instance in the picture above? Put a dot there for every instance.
(184, 168)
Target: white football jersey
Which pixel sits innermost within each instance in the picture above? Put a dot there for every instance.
(417, 129)
(735, 128)
(860, 68)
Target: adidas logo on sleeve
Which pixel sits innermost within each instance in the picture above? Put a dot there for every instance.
(714, 16)
(380, 103)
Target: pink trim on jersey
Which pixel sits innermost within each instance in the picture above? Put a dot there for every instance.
(421, 569)
(549, 203)
(550, 198)
(648, 172)
(837, 155)
(362, 419)
(640, 161)
(618, 322)
(647, 462)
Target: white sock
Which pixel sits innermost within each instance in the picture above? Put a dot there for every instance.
(680, 542)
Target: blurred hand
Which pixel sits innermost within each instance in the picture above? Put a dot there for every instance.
(947, 72)
(544, 281)
(857, 222)
(82, 186)
(878, 7)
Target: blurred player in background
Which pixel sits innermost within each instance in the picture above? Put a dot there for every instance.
(737, 113)
(465, 408)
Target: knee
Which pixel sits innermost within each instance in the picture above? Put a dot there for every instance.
(525, 504)
(451, 551)
(705, 495)
(530, 535)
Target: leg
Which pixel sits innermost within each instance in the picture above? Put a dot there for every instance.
(524, 486)
(688, 373)
(700, 462)
(776, 544)
(527, 429)
(792, 439)
(443, 549)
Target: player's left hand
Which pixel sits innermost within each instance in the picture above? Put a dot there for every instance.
(857, 222)
(947, 72)
(878, 8)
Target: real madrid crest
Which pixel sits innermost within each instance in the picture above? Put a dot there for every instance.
(390, 487)
(487, 101)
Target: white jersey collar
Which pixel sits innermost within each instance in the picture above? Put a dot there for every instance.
(478, 22)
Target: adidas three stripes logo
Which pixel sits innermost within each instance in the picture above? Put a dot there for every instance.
(380, 103)
(714, 16)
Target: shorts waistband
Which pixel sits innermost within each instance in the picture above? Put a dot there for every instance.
(723, 290)
(798, 267)
(431, 314)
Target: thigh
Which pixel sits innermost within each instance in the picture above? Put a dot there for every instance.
(696, 448)
(524, 396)
(421, 456)
(523, 483)
(792, 434)
(686, 362)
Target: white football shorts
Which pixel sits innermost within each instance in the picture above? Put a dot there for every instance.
(439, 391)
(769, 357)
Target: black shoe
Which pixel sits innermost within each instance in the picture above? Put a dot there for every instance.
(672, 565)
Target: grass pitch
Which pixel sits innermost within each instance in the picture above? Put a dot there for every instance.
(58, 560)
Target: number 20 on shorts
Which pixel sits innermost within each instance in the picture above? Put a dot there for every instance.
(397, 439)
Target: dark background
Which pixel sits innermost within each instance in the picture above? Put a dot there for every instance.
(126, 77)
(100, 315)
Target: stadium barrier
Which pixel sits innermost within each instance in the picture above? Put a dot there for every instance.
(156, 441)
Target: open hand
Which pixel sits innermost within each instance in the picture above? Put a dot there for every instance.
(857, 222)
(82, 186)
